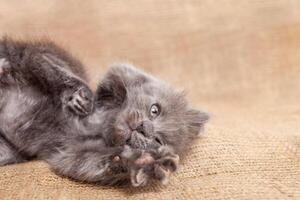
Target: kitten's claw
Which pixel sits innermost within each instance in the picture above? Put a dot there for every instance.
(81, 101)
(4, 65)
(139, 178)
(162, 174)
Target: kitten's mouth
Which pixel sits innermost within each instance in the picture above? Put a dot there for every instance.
(137, 140)
(134, 138)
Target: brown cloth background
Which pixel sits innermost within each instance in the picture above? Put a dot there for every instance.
(237, 59)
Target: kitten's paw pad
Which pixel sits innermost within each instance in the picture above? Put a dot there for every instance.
(81, 101)
(144, 159)
(139, 178)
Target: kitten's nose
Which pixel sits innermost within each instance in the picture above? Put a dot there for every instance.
(140, 128)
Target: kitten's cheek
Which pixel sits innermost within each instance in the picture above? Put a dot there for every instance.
(121, 136)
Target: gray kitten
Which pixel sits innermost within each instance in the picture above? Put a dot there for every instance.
(133, 129)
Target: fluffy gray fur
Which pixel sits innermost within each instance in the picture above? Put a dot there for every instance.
(133, 129)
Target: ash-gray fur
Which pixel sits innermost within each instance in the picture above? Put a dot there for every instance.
(133, 129)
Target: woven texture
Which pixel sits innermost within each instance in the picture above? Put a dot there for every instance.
(239, 60)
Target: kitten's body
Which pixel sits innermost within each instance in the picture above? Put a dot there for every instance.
(38, 118)
(46, 112)
(31, 93)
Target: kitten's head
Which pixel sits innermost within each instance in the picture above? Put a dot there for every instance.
(149, 112)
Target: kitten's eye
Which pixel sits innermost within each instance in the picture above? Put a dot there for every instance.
(154, 110)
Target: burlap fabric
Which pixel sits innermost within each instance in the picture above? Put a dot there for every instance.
(240, 60)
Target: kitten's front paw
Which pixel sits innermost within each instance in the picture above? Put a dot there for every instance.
(166, 163)
(139, 163)
(80, 101)
(158, 164)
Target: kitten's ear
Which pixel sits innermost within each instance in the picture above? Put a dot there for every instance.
(112, 90)
(196, 120)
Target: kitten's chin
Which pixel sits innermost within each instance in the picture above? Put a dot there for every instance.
(139, 141)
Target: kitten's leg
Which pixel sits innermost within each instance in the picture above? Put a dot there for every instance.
(144, 165)
(74, 93)
(111, 165)
(55, 77)
(8, 155)
(89, 164)
(108, 165)
(59, 78)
